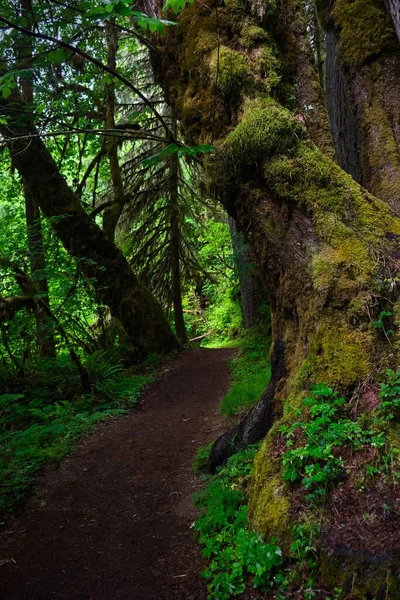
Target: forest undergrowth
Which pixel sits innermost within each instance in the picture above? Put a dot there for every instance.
(251, 372)
(45, 414)
(328, 440)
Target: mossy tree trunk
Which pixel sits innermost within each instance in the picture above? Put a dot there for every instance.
(98, 258)
(315, 233)
(327, 249)
(367, 53)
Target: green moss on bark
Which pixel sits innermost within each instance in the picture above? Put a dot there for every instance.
(252, 35)
(262, 133)
(269, 508)
(230, 72)
(366, 30)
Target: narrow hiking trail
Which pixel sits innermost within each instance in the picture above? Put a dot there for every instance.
(113, 520)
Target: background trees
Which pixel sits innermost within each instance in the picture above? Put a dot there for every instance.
(92, 139)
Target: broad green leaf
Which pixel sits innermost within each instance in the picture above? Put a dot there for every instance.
(176, 5)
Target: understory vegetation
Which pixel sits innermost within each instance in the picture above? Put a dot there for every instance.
(251, 372)
(330, 440)
(45, 414)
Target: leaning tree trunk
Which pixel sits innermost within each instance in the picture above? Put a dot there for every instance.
(326, 248)
(97, 257)
(364, 51)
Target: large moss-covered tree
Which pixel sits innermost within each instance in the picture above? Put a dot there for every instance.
(327, 249)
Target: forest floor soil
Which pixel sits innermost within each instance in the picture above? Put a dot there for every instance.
(114, 519)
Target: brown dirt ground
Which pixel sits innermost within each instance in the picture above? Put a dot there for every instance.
(113, 520)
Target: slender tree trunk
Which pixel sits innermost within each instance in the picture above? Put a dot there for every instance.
(319, 44)
(98, 258)
(300, 69)
(112, 213)
(175, 245)
(44, 325)
(394, 8)
(249, 278)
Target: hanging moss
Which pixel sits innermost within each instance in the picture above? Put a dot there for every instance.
(366, 30)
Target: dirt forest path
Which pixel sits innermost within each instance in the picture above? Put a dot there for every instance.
(113, 520)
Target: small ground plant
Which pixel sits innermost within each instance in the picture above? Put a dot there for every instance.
(315, 446)
(235, 553)
(318, 445)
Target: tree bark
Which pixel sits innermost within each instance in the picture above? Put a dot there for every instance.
(249, 278)
(300, 68)
(363, 41)
(175, 245)
(344, 127)
(98, 258)
(394, 8)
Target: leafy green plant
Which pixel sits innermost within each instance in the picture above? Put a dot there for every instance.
(380, 323)
(236, 554)
(200, 460)
(316, 459)
(103, 372)
(251, 371)
(314, 446)
(390, 396)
